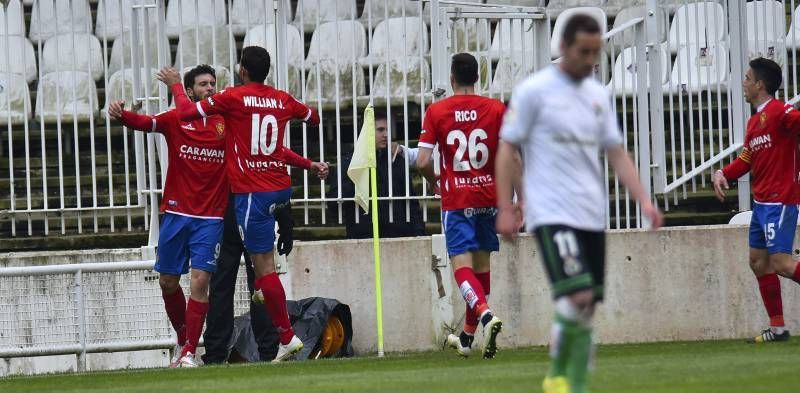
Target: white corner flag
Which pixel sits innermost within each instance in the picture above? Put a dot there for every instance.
(363, 160)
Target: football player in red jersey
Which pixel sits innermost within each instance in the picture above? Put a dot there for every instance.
(770, 155)
(466, 128)
(256, 116)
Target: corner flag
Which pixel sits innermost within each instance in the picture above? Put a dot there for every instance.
(362, 172)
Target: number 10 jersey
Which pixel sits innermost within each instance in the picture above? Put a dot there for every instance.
(466, 128)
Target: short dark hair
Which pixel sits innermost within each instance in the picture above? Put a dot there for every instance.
(383, 114)
(464, 69)
(202, 69)
(255, 60)
(769, 72)
(576, 24)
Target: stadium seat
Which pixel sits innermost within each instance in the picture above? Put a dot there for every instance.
(508, 73)
(213, 43)
(766, 30)
(556, 7)
(15, 99)
(520, 3)
(513, 37)
(627, 38)
(325, 95)
(73, 52)
(327, 10)
(264, 36)
(16, 19)
(120, 87)
(698, 68)
(246, 14)
(623, 76)
(699, 24)
(471, 35)
(426, 13)
(561, 22)
(376, 11)
(70, 95)
(48, 20)
(22, 59)
(295, 87)
(741, 218)
(417, 79)
(397, 37)
(121, 52)
(343, 40)
(114, 17)
(182, 15)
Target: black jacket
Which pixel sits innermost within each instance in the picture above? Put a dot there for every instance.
(400, 227)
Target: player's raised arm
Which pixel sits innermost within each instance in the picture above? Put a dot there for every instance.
(301, 111)
(140, 122)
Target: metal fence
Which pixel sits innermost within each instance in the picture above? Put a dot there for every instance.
(88, 308)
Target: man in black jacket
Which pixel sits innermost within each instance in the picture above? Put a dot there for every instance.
(402, 225)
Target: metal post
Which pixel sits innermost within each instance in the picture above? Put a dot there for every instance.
(652, 25)
(80, 307)
(739, 108)
(643, 120)
(440, 74)
(281, 59)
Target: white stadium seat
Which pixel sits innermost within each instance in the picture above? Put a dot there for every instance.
(766, 30)
(700, 24)
(52, 17)
(120, 87)
(295, 87)
(15, 99)
(508, 73)
(417, 79)
(623, 76)
(205, 39)
(121, 52)
(327, 10)
(556, 7)
(563, 18)
(16, 19)
(264, 36)
(793, 36)
(182, 15)
(627, 38)
(348, 75)
(23, 58)
(376, 11)
(471, 35)
(70, 95)
(114, 17)
(397, 37)
(741, 218)
(246, 14)
(345, 41)
(520, 3)
(698, 68)
(513, 38)
(73, 52)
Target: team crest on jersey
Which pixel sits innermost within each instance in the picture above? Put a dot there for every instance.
(220, 129)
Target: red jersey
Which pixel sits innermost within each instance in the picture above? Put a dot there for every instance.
(256, 117)
(467, 129)
(196, 184)
(770, 154)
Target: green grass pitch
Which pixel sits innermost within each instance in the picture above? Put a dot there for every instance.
(720, 366)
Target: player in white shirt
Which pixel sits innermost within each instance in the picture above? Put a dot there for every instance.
(561, 119)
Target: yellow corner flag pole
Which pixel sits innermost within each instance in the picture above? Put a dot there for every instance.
(364, 176)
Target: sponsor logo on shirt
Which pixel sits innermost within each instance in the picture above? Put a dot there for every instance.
(202, 154)
(477, 211)
(188, 126)
(473, 180)
(760, 142)
(260, 166)
(262, 102)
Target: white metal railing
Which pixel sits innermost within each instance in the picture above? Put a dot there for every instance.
(87, 308)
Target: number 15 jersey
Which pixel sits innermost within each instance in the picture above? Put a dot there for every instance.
(467, 129)
(256, 116)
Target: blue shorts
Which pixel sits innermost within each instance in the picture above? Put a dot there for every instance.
(182, 239)
(772, 227)
(470, 230)
(255, 219)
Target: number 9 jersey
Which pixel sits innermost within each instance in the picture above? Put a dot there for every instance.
(256, 116)
(467, 129)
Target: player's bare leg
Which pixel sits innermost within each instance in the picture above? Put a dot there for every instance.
(274, 299)
(196, 311)
(175, 306)
(571, 343)
(475, 298)
(765, 267)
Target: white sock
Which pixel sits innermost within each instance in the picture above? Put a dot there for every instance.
(777, 329)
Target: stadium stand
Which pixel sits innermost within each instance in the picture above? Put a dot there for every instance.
(66, 95)
(395, 37)
(561, 21)
(246, 14)
(264, 36)
(626, 39)
(15, 99)
(52, 17)
(509, 71)
(793, 36)
(327, 11)
(205, 45)
(120, 86)
(342, 41)
(766, 30)
(513, 37)
(182, 15)
(25, 64)
(376, 11)
(623, 75)
(471, 35)
(12, 12)
(697, 68)
(417, 74)
(73, 52)
(121, 52)
(701, 23)
(114, 18)
(521, 3)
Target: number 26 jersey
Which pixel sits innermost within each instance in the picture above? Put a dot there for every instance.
(466, 128)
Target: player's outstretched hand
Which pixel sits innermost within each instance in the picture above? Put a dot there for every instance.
(115, 109)
(169, 76)
(509, 220)
(653, 215)
(720, 182)
(320, 170)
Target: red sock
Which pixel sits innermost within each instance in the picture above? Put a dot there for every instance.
(471, 318)
(484, 279)
(770, 287)
(471, 290)
(796, 275)
(275, 301)
(175, 305)
(195, 317)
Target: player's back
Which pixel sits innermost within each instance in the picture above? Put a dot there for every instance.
(466, 128)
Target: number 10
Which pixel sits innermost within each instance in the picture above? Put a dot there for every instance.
(258, 138)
